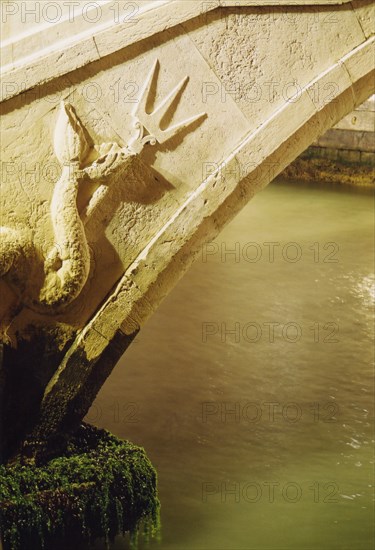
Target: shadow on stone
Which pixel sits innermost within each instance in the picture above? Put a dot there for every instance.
(99, 488)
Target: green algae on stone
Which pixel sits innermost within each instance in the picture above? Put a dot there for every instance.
(312, 168)
(100, 487)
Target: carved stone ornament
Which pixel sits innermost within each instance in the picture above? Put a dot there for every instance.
(66, 265)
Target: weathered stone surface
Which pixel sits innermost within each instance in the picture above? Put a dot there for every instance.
(109, 189)
(333, 166)
(343, 139)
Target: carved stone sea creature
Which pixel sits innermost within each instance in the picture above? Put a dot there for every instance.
(66, 266)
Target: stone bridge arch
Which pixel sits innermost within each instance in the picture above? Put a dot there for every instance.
(130, 137)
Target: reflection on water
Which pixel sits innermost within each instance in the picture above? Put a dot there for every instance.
(364, 288)
(252, 387)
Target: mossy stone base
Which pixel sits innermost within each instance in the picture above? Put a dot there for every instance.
(100, 487)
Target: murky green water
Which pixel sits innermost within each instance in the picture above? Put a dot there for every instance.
(252, 387)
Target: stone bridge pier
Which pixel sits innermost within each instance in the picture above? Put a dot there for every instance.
(131, 134)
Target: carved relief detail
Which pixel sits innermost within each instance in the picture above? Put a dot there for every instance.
(152, 122)
(67, 265)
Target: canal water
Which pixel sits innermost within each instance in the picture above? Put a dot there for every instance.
(251, 388)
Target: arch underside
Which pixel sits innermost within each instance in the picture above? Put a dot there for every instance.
(317, 87)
